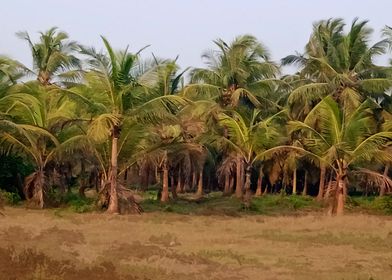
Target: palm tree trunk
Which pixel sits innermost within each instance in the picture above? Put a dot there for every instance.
(386, 170)
(295, 181)
(238, 187)
(259, 190)
(173, 186)
(322, 183)
(305, 190)
(157, 175)
(193, 180)
(179, 187)
(248, 173)
(146, 178)
(165, 181)
(226, 190)
(40, 188)
(231, 187)
(340, 190)
(113, 196)
(199, 192)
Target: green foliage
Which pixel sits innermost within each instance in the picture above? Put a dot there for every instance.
(10, 167)
(379, 204)
(10, 198)
(216, 204)
(236, 116)
(283, 204)
(79, 204)
(384, 204)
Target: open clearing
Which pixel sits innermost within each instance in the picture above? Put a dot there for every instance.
(47, 244)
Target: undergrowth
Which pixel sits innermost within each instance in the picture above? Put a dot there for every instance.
(216, 204)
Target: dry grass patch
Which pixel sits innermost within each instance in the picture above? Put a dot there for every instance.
(173, 246)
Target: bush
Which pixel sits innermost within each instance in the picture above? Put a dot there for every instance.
(79, 204)
(378, 204)
(383, 203)
(10, 198)
(283, 204)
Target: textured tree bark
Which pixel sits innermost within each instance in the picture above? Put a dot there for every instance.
(165, 181)
(259, 190)
(231, 187)
(238, 187)
(320, 194)
(305, 190)
(341, 186)
(226, 190)
(157, 175)
(179, 187)
(386, 170)
(199, 192)
(113, 196)
(295, 181)
(248, 173)
(173, 187)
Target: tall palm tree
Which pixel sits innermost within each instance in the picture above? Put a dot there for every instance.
(53, 56)
(34, 118)
(10, 72)
(343, 141)
(247, 136)
(242, 68)
(121, 86)
(338, 63)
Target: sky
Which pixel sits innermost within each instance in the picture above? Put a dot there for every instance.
(181, 27)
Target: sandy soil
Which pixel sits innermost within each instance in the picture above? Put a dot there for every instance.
(52, 244)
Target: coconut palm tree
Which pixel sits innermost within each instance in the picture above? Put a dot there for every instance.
(344, 141)
(338, 63)
(54, 59)
(35, 116)
(10, 72)
(121, 86)
(247, 136)
(242, 68)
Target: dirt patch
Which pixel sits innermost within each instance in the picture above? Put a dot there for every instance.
(61, 236)
(170, 246)
(30, 264)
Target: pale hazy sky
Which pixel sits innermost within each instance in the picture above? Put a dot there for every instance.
(181, 27)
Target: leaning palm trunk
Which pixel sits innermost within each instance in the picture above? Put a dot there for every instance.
(295, 181)
(113, 197)
(322, 183)
(305, 190)
(199, 192)
(386, 170)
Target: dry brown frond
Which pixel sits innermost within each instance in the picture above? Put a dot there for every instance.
(375, 179)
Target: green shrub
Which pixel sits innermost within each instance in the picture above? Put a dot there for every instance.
(383, 203)
(283, 204)
(378, 204)
(79, 204)
(10, 198)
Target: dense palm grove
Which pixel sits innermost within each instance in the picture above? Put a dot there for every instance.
(113, 121)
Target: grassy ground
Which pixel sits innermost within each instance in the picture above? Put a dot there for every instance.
(216, 204)
(202, 242)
